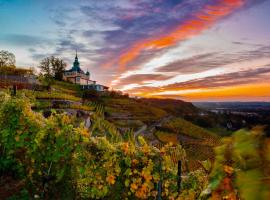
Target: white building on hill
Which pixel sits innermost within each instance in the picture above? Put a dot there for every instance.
(77, 76)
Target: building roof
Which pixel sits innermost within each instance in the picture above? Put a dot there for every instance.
(76, 66)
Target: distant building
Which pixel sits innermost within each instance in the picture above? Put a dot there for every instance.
(96, 87)
(77, 76)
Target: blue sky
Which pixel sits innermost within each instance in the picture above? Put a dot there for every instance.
(227, 51)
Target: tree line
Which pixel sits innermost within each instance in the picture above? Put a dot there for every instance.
(50, 67)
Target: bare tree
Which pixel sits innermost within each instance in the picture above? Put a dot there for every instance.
(53, 67)
(7, 59)
(45, 67)
(58, 68)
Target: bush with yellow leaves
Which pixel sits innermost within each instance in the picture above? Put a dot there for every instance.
(57, 160)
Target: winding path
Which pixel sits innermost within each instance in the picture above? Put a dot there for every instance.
(149, 130)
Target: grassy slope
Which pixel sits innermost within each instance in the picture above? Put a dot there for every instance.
(134, 113)
(62, 91)
(67, 88)
(182, 127)
(119, 109)
(172, 106)
(198, 142)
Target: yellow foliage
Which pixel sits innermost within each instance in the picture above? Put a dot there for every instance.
(125, 147)
(229, 170)
(142, 192)
(133, 187)
(110, 179)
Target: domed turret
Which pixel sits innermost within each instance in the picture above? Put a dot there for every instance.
(87, 74)
(76, 64)
(77, 75)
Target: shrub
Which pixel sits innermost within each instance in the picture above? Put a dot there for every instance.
(241, 167)
(57, 160)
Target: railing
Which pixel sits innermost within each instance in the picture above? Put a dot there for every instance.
(18, 78)
(21, 81)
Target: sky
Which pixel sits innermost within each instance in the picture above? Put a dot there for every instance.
(194, 50)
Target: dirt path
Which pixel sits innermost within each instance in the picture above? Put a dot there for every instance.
(148, 131)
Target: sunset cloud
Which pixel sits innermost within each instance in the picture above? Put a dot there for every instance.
(198, 23)
(160, 48)
(144, 78)
(235, 79)
(237, 93)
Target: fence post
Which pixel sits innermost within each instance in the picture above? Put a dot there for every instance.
(14, 90)
(179, 173)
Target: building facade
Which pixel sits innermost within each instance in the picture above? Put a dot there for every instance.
(77, 76)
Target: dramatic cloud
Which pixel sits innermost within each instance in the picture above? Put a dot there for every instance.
(144, 78)
(235, 79)
(24, 40)
(230, 79)
(203, 65)
(201, 21)
(197, 63)
(146, 47)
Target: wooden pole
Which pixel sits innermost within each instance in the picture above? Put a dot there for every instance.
(179, 173)
(14, 90)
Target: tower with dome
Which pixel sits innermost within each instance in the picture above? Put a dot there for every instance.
(77, 76)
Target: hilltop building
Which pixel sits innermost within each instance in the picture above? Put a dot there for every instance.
(77, 76)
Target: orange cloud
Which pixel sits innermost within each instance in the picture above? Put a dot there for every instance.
(257, 91)
(201, 21)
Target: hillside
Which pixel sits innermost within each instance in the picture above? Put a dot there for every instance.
(173, 106)
(128, 109)
(198, 142)
(160, 121)
(146, 111)
(64, 155)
